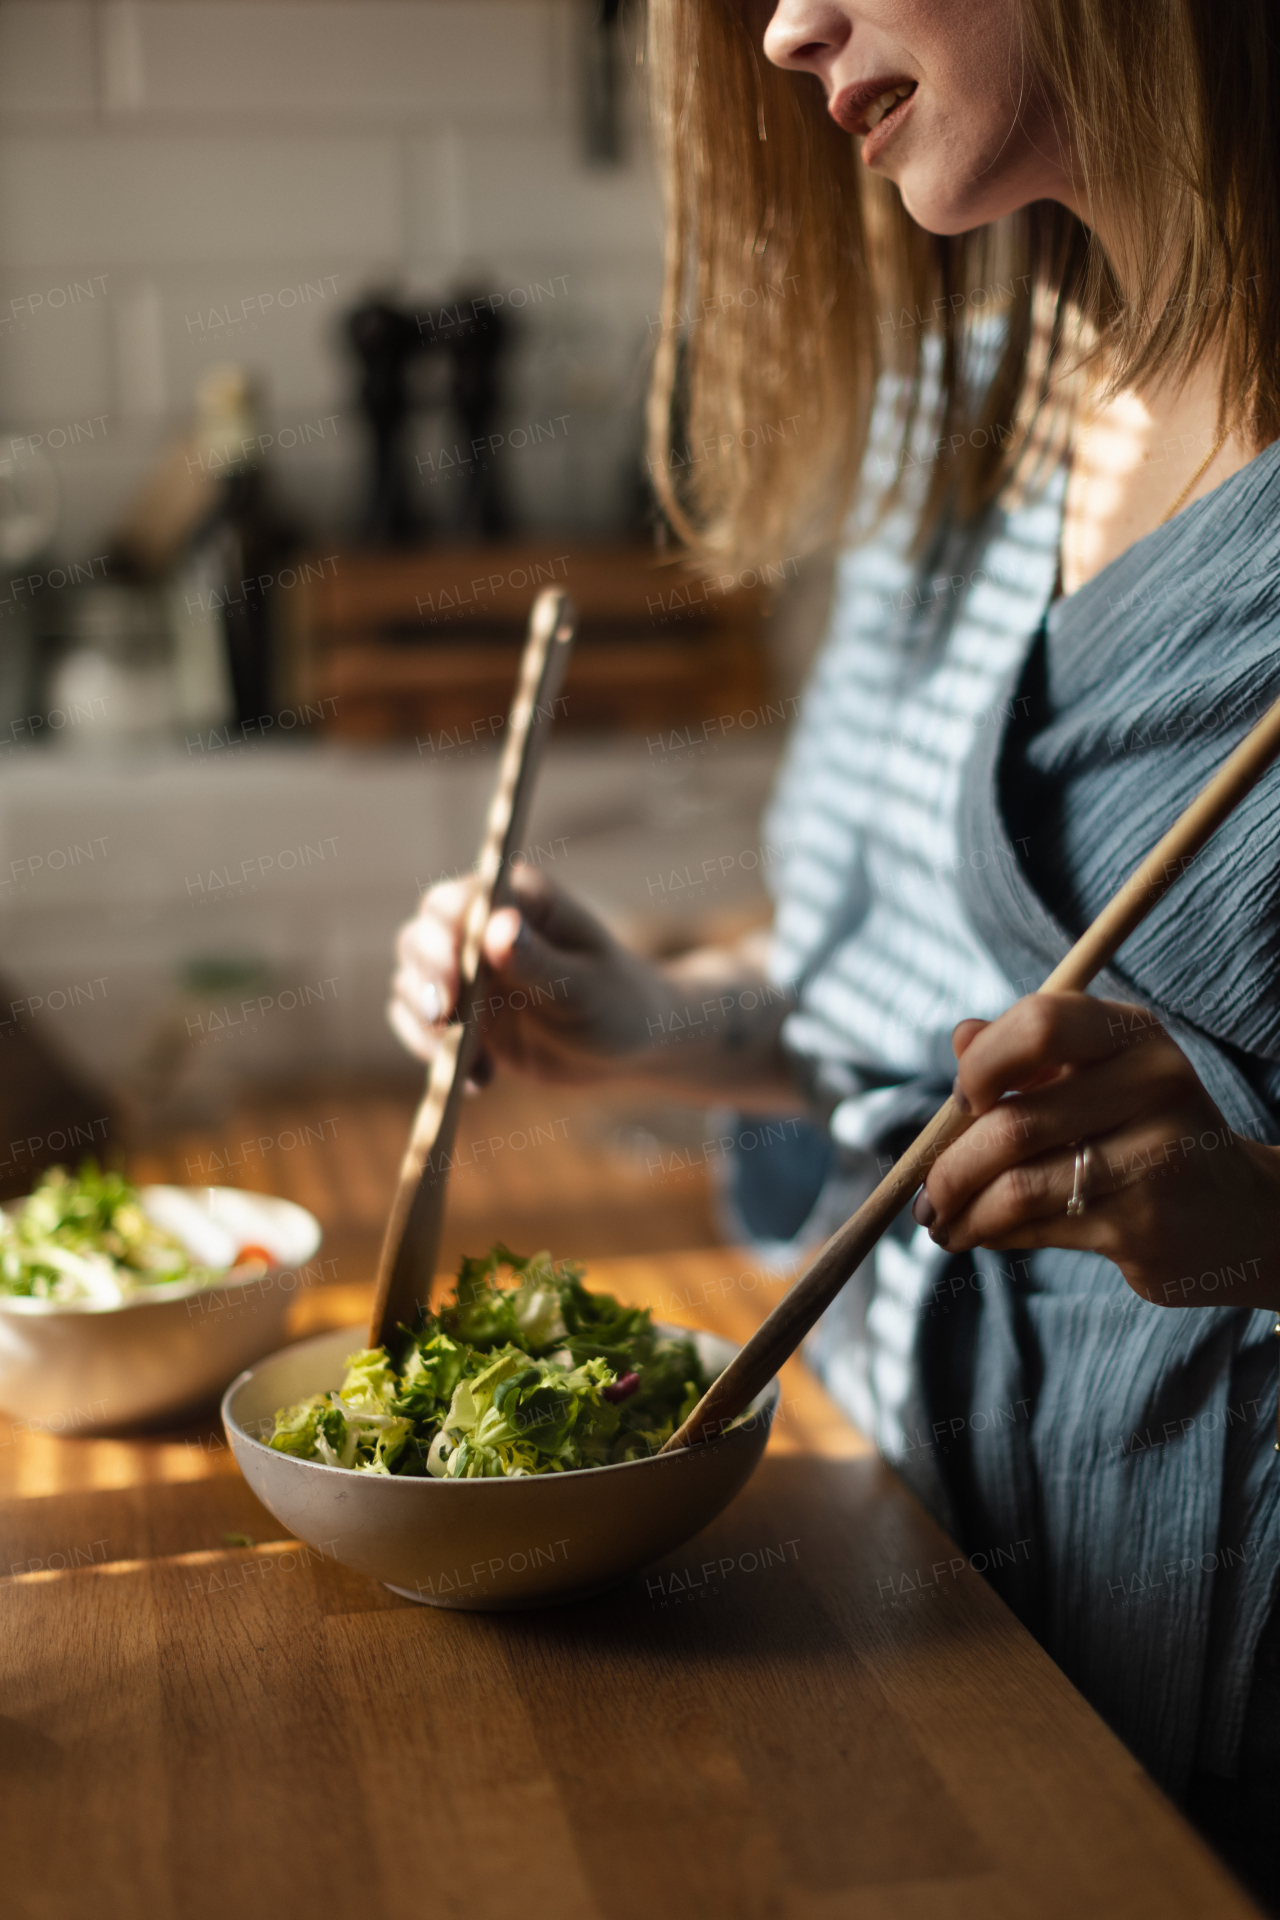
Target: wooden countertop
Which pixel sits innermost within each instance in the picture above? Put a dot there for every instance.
(817, 1709)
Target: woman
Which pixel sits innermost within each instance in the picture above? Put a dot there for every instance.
(1011, 268)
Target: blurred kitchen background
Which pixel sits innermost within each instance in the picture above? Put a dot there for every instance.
(324, 332)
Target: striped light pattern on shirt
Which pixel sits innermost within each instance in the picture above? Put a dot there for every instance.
(869, 925)
(869, 922)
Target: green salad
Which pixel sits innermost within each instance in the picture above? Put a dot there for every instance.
(84, 1236)
(523, 1372)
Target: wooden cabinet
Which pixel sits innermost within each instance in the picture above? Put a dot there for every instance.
(425, 644)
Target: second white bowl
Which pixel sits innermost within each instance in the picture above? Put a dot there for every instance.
(69, 1366)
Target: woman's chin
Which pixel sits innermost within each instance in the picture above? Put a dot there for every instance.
(951, 186)
(936, 205)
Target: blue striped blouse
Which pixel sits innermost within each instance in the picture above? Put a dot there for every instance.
(973, 773)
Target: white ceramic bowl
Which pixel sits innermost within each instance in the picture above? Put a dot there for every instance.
(486, 1545)
(68, 1366)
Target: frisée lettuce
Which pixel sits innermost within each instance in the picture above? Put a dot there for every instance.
(523, 1371)
(85, 1237)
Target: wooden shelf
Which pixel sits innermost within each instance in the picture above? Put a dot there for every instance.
(404, 646)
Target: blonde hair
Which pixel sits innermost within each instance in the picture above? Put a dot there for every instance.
(795, 278)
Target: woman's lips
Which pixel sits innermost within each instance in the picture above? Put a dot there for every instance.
(872, 109)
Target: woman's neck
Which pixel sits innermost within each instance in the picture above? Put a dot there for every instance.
(1140, 455)
(1147, 452)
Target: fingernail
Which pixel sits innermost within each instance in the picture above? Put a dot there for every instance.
(429, 1002)
(506, 927)
(939, 1236)
(959, 1095)
(923, 1211)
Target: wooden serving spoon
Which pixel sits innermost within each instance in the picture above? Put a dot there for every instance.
(412, 1240)
(777, 1338)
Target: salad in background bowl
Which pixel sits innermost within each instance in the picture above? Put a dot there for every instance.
(121, 1305)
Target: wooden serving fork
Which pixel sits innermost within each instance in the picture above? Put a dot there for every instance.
(412, 1240)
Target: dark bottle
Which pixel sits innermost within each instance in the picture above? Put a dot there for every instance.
(476, 339)
(230, 578)
(386, 342)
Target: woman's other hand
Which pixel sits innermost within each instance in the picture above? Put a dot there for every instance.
(1188, 1210)
(562, 999)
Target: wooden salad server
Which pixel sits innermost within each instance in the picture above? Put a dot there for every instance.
(411, 1244)
(777, 1338)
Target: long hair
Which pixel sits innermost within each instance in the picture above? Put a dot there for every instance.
(795, 278)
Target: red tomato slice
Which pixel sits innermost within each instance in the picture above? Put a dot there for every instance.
(251, 1254)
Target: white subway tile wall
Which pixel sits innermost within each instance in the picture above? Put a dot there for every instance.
(164, 197)
(47, 63)
(183, 181)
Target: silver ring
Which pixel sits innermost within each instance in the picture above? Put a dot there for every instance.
(1080, 1186)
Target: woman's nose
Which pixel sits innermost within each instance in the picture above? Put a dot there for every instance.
(806, 34)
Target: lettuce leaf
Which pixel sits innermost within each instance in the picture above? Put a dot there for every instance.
(296, 1427)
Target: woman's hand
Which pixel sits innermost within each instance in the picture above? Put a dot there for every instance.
(563, 1000)
(1188, 1210)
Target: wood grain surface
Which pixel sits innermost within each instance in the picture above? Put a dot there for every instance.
(815, 1709)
